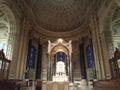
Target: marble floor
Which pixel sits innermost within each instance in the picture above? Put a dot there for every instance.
(71, 87)
(81, 85)
(74, 87)
(87, 88)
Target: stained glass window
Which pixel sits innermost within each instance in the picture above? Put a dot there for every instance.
(61, 56)
(32, 57)
(89, 56)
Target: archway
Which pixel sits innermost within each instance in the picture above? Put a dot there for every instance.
(107, 21)
(59, 58)
(116, 28)
(106, 38)
(7, 30)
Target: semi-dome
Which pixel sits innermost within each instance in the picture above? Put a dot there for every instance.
(59, 15)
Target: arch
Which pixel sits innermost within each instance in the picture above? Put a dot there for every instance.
(12, 28)
(10, 17)
(105, 24)
(104, 33)
(59, 60)
(108, 14)
(58, 48)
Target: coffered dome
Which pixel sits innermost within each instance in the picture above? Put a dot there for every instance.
(59, 15)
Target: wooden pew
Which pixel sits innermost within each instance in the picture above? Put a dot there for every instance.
(14, 84)
(114, 83)
(107, 85)
(9, 85)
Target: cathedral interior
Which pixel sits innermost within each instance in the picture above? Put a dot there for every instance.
(59, 44)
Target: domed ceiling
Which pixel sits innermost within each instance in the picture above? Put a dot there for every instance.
(59, 15)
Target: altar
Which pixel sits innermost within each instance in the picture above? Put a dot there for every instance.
(60, 75)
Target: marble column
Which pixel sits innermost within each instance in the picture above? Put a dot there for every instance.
(48, 68)
(71, 72)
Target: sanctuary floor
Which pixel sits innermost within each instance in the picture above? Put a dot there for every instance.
(74, 87)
